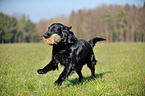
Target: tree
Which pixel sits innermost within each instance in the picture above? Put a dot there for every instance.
(71, 19)
(29, 31)
(120, 25)
(106, 19)
(26, 30)
(8, 28)
(14, 28)
(80, 24)
(141, 25)
(21, 29)
(72, 22)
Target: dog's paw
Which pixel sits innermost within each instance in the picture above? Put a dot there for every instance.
(93, 77)
(57, 83)
(40, 71)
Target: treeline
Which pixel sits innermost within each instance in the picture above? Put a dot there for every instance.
(115, 23)
(13, 29)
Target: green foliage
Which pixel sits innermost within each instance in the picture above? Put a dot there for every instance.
(8, 28)
(26, 30)
(106, 16)
(106, 19)
(13, 30)
(119, 71)
(120, 25)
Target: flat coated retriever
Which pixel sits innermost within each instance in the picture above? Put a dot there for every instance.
(71, 52)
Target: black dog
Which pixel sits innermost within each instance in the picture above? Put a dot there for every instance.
(71, 52)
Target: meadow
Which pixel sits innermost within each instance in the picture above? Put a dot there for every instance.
(120, 71)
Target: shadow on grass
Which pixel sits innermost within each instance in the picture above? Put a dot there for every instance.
(87, 79)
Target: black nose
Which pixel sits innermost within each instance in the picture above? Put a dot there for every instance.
(45, 35)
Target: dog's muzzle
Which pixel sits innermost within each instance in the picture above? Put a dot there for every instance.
(54, 39)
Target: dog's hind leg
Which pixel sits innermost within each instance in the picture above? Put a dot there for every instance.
(91, 64)
(78, 70)
(92, 68)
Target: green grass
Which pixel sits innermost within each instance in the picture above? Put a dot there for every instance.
(120, 71)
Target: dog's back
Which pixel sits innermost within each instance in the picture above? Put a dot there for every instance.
(85, 50)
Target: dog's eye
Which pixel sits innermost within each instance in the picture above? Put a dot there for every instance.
(53, 29)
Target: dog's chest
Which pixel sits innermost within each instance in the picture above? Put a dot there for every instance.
(62, 57)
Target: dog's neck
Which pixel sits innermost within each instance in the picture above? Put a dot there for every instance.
(61, 46)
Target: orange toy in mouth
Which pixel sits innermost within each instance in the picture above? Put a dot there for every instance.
(54, 39)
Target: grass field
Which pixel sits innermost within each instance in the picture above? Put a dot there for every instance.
(120, 71)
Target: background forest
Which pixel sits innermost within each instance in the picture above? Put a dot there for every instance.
(113, 22)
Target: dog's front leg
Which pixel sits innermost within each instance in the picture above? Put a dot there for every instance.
(50, 66)
(66, 72)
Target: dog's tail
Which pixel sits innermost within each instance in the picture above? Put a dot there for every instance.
(93, 41)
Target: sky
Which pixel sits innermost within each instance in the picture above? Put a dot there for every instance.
(47, 9)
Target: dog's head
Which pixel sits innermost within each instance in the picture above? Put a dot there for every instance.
(62, 31)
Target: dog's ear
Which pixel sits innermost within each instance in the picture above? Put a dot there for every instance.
(66, 28)
(71, 37)
(69, 28)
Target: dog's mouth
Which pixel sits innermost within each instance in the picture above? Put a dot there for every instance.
(53, 39)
